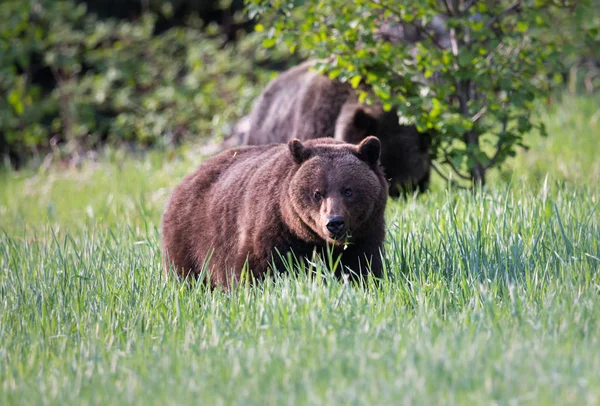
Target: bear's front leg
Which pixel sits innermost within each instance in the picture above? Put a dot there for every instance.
(360, 260)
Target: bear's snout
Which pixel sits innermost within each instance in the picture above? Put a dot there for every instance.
(334, 218)
(394, 189)
(335, 225)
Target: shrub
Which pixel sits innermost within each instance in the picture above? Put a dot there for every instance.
(469, 71)
(75, 81)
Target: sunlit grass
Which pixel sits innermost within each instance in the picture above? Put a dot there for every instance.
(490, 297)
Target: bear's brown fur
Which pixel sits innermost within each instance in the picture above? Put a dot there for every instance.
(301, 103)
(250, 204)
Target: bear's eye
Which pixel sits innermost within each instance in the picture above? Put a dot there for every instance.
(318, 195)
(348, 192)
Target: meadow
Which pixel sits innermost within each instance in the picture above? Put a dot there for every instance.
(491, 297)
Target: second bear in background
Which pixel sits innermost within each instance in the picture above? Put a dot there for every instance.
(301, 103)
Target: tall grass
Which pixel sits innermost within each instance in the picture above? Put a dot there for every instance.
(490, 297)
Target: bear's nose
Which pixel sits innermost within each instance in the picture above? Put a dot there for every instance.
(394, 190)
(335, 224)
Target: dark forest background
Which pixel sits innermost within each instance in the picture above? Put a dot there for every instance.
(77, 75)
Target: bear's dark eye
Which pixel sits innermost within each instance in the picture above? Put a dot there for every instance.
(348, 192)
(318, 196)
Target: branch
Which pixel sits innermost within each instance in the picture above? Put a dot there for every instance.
(418, 27)
(462, 93)
(478, 115)
(514, 7)
(448, 180)
(454, 168)
(421, 29)
(498, 145)
(467, 6)
(453, 42)
(448, 8)
(495, 157)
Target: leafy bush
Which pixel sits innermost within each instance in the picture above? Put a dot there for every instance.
(469, 71)
(74, 80)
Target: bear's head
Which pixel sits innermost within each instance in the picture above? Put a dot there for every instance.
(404, 155)
(404, 151)
(355, 123)
(338, 190)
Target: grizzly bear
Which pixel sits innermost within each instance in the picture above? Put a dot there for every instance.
(251, 206)
(301, 103)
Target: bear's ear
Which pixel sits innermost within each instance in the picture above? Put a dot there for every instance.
(364, 121)
(299, 152)
(369, 150)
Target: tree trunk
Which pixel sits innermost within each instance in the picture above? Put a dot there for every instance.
(478, 170)
(471, 138)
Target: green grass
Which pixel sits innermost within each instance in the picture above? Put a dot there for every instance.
(492, 297)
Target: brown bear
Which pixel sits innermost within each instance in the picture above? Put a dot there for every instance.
(253, 205)
(301, 103)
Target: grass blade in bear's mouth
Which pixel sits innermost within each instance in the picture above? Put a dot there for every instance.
(342, 236)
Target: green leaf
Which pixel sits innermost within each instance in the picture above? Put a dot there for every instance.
(522, 26)
(269, 42)
(436, 108)
(14, 99)
(334, 73)
(355, 81)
